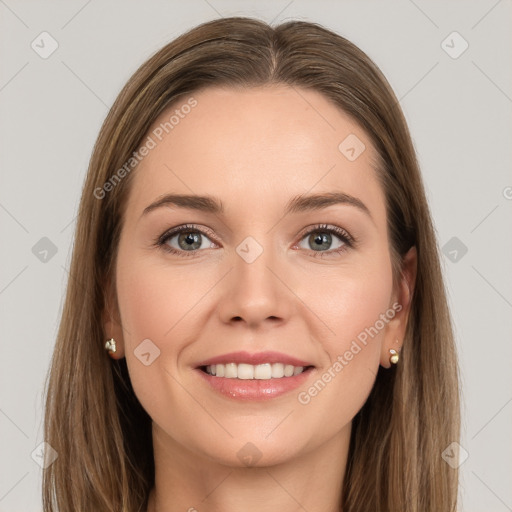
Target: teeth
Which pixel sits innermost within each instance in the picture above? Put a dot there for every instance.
(245, 371)
(230, 371)
(277, 370)
(263, 371)
(251, 372)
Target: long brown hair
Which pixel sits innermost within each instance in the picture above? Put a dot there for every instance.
(93, 419)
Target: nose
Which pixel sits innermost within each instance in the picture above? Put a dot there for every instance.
(255, 293)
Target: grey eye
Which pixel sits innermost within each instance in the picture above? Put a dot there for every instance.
(321, 241)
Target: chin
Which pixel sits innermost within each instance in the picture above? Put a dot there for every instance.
(255, 451)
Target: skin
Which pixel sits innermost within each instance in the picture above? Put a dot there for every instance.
(255, 149)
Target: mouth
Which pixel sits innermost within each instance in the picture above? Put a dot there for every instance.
(244, 371)
(259, 382)
(254, 376)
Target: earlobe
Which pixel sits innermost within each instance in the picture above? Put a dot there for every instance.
(113, 332)
(394, 356)
(111, 346)
(113, 342)
(391, 356)
(392, 345)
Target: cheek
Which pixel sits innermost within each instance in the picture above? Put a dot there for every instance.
(360, 302)
(145, 303)
(157, 301)
(159, 304)
(351, 298)
(151, 303)
(352, 307)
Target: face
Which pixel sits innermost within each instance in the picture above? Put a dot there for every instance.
(272, 269)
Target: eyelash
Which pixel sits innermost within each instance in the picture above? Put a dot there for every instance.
(346, 238)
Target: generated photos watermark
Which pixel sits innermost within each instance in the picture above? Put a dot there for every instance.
(305, 397)
(151, 142)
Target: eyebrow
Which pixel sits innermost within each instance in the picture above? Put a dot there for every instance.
(298, 204)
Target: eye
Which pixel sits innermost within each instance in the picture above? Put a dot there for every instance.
(187, 240)
(184, 239)
(320, 239)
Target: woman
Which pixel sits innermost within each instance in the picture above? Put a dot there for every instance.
(255, 253)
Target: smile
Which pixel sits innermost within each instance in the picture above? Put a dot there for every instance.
(248, 382)
(253, 372)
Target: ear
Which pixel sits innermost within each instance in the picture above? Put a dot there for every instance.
(402, 299)
(112, 322)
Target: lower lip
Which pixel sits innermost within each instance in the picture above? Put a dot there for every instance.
(255, 389)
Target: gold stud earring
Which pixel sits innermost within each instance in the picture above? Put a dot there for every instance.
(110, 345)
(394, 357)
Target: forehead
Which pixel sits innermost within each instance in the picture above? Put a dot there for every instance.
(256, 146)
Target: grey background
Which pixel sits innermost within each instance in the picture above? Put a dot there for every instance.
(459, 112)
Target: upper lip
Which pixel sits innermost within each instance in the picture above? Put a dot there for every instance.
(254, 359)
